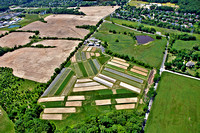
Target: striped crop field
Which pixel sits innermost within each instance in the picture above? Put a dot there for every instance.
(59, 82)
(77, 70)
(64, 83)
(83, 56)
(82, 68)
(89, 69)
(69, 86)
(96, 64)
(123, 79)
(93, 67)
(78, 56)
(115, 68)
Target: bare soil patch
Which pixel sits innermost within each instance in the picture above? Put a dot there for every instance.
(50, 99)
(125, 106)
(73, 103)
(2, 32)
(75, 98)
(52, 116)
(117, 65)
(139, 72)
(83, 80)
(119, 62)
(90, 88)
(15, 38)
(38, 64)
(87, 55)
(140, 68)
(127, 100)
(97, 54)
(103, 102)
(60, 110)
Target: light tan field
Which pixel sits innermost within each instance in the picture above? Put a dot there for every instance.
(15, 38)
(94, 49)
(139, 72)
(127, 100)
(65, 25)
(50, 99)
(90, 88)
(125, 106)
(87, 55)
(59, 110)
(2, 32)
(86, 84)
(117, 65)
(141, 69)
(119, 62)
(97, 54)
(73, 103)
(83, 80)
(38, 64)
(85, 48)
(73, 59)
(52, 116)
(103, 102)
(75, 98)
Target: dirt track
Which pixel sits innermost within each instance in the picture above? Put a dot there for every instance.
(38, 64)
(15, 38)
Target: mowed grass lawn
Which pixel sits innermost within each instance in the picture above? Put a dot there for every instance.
(150, 54)
(176, 108)
(6, 125)
(179, 44)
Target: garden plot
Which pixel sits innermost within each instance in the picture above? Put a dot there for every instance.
(90, 88)
(92, 54)
(125, 106)
(83, 56)
(94, 69)
(139, 72)
(73, 59)
(93, 49)
(86, 84)
(83, 80)
(82, 68)
(77, 70)
(59, 110)
(69, 86)
(78, 56)
(140, 68)
(97, 54)
(107, 78)
(96, 64)
(87, 55)
(85, 48)
(121, 63)
(73, 103)
(104, 82)
(130, 87)
(89, 49)
(15, 39)
(51, 99)
(52, 116)
(115, 58)
(74, 98)
(127, 100)
(103, 102)
(88, 68)
(124, 75)
(117, 65)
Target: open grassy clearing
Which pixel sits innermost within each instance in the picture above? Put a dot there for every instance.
(151, 54)
(6, 125)
(82, 68)
(179, 44)
(137, 3)
(176, 106)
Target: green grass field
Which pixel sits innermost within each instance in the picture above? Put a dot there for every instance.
(77, 70)
(179, 44)
(103, 59)
(82, 68)
(94, 69)
(151, 54)
(6, 125)
(88, 68)
(176, 107)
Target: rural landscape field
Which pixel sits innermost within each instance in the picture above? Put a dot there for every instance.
(99, 66)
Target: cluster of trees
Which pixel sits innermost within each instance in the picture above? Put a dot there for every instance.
(88, 27)
(125, 121)
(54, 38)
(21, 105)
(186, 37)
(142, 28)
(131, 34)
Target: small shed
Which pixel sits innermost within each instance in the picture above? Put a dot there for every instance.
(190, 64)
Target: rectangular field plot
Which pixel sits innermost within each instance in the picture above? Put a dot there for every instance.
(73, 103)
(96, 64)
(103, 102)
(59, 110)
(51, 99)
(115, 68)
(130, 87)
(123, 91)
(74, 98)
(94, 69)
(117, 65)
(97, 54)
(89, 49)
(82, 68)
(119, 78)
(137, 75)
(102, 81)
(115, 58)
(78, 56)
(139, 72)
(94, 49)
(83, 80)
(127, 100)
(124, 75)
(85, 48)
(69, 86)
(64, 83)
(87, 55)
(73, 59)
(88, 68)
(77, 70)
(107, 78)
(86, 84)
(90, 88)
(52, 116)
(119, 62)
(83, 56)
(141, 69)
(125, 106)
(92, 54)
(58, 81)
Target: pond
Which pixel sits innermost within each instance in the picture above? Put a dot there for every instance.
(13, 26)
(144, 39)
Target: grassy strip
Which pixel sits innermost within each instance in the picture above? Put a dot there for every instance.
(82, 68)
(123, 91)
(64, 83)
(93, 67)
(59, 82)
(102, 59)
(89, 69)
(131, 82)
(105, 92)
(77, 70)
